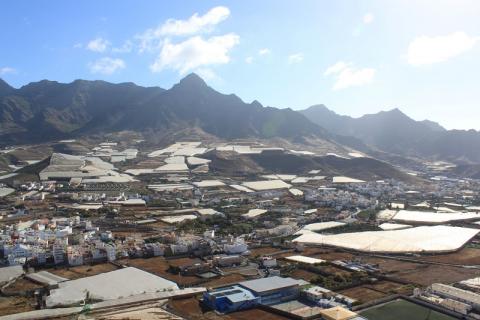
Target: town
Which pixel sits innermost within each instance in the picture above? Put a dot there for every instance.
(119, 229)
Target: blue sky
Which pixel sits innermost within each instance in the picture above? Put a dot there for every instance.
(356, 57)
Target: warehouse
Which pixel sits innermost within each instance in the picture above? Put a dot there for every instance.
(229, 299)
(247, 294)
(273, 290)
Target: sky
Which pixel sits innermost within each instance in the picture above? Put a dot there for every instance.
(356, 57)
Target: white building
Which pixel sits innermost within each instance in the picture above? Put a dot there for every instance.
(58, 252)
(269, 262)
(237, 247)
(75, 257)
(111, 252)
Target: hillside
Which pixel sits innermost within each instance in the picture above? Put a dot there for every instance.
(273, 161)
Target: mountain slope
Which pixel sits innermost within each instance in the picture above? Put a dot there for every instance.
(49, 110)
(275, 162)
(5, 88)
(394, 132)
(226, 116)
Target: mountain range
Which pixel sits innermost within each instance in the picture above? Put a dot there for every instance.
(394, 132)
(47, 111)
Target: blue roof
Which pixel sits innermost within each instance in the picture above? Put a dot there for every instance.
(233, 293)
(241, 296)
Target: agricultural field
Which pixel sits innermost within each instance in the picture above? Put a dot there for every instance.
(83, 271)
(402, 309)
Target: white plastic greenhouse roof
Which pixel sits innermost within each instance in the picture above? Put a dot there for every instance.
(419, 239)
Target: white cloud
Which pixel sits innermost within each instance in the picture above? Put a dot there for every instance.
(77, 45)
(336, 68)
(125, 48)
(264, 51)
(426, 50)
(106, 65)
(346, 75)
(249, 60)
(149, 40)
(295, 58)
(195, 23)
(98, 45)
(152, 38)
(368, 18)
(7, 70)
(195, 52)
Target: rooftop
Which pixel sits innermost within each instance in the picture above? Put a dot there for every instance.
(107, 286)
(45, 277)
(269, 284)
(266, 185)
(233, 293)
(337, 313)
(434, 217)
(304, 259)
(419, 239)
(10, 273)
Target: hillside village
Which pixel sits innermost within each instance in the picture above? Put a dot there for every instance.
(125, 229)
